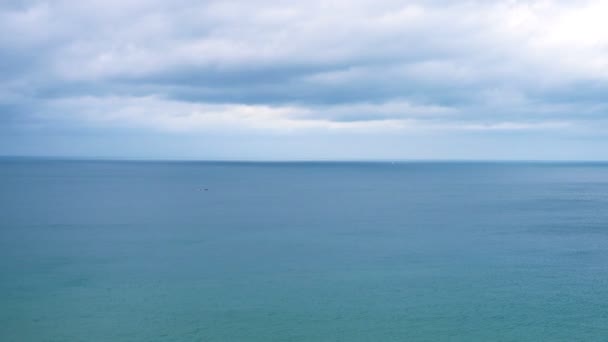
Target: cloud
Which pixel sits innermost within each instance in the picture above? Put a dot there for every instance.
(175, 116)
(358, 66)
(169, 115)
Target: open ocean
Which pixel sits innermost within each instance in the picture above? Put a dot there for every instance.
(303, 251)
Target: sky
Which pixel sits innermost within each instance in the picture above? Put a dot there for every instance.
(305, 80)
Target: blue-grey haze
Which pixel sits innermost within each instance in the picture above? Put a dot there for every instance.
(202, 251)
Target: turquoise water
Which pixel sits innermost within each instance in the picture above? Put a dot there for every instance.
(139, 251)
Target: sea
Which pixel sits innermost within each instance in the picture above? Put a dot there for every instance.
(94, 250)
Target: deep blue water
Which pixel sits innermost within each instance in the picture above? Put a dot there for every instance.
(139, 251)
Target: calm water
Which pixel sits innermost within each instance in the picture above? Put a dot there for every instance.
(139, 251)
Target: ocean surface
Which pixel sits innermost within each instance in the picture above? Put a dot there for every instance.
(413, 251)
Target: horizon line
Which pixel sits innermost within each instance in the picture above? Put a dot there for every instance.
(235, 160)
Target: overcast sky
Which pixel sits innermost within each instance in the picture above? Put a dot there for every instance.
(257, 79)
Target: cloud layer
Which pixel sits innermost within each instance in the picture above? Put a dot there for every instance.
(334, 69)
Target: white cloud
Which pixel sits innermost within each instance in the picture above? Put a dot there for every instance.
(168, 115)
(528, 38)
(174, 116)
